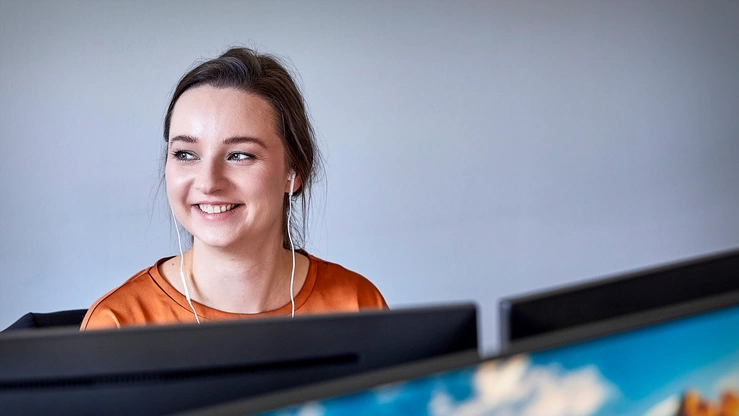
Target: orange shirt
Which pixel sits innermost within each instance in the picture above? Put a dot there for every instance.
(148, 298)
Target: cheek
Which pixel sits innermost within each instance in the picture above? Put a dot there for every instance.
(174, 183)
(275, 187)
(262, 183)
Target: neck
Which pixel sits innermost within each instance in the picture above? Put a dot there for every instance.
(249, 280)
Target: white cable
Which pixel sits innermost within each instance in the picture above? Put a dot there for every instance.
(182, 266)
(292, 250)
(292, 246)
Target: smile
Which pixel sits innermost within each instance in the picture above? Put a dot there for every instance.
(216, 209)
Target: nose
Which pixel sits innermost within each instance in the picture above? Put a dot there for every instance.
(210, 177)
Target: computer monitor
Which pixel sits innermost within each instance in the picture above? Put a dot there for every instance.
(677, 360)
(165, 369)
(540, 313)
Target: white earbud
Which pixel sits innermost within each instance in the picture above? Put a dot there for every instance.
(292, 182)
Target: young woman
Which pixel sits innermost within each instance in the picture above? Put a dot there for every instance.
(240, 150)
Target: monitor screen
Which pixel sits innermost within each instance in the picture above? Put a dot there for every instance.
(540, 313)
(682, 360)
(165, 369)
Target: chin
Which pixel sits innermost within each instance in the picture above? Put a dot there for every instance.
(216, 241)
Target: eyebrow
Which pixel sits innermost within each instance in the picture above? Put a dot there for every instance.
(231, 140)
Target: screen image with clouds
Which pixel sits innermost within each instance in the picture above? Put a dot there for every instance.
(684, 367)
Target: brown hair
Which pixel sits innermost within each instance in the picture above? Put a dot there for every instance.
(266, 76)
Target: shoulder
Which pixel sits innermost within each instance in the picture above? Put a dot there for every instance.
(115, 308)
(343, 284)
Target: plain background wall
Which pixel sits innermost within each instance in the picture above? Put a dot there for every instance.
(475, 150)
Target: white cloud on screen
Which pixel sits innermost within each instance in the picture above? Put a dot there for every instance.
(730, 381)
(311, 409)
(667, 407)
(390, 392)
(515, 387)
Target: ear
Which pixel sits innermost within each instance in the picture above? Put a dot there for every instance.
(293, 184)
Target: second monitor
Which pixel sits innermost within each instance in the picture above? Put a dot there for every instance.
(540, 313)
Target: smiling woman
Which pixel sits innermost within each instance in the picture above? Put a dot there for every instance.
(240, 148)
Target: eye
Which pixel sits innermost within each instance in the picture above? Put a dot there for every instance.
(183, 155)
(239, 156)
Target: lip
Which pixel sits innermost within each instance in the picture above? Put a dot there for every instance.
(215, 203)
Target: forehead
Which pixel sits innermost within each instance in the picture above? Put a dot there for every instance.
(207, 112)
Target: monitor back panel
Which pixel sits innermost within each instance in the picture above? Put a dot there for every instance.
(527, 316)
(156, 370)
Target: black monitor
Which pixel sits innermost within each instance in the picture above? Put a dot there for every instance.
(667, 361)
(544, 312)
(164, 369)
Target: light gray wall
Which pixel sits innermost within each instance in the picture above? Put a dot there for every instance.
(474, 150)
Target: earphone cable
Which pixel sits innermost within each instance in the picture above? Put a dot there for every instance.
(292, 249)
(182, 267)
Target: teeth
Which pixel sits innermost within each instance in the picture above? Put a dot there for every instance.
(216, 209)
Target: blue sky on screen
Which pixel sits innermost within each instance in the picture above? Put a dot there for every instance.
(694, 352)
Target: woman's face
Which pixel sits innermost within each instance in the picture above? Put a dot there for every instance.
(225, 173)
